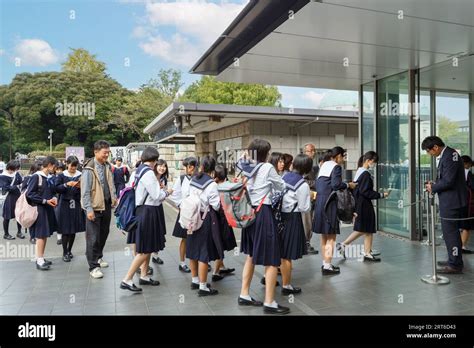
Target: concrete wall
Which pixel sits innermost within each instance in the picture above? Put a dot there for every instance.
(285, 136)
(173, 154)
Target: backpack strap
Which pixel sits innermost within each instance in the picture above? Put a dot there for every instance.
(137, 180)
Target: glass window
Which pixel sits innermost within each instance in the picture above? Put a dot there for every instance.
(392, 138)
(368, 117)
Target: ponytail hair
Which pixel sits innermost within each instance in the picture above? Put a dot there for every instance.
(368, 156)
(360, 162)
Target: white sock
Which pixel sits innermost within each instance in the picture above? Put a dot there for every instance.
(128, 282)
(195, 280)
(147, 278)
(273, 304)
(40, 261)
(326, 265)
(215, 273)
(203, 286)
(246, 297)
(289, 286)
(182, 263)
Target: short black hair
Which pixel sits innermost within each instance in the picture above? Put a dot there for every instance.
(302, 164)
(13, 165)
(208, 165)
(430, 142)
(190, 161)
(466, 159)
(61, 166)
(220, 173)
(337, 150)
(50, 160)
(73, 161)
(150, 154)
(101, 144)
(287, 159)
(259, 148)
(275, 157)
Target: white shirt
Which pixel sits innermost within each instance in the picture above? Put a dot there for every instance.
(300, 197)
(265, 182)
(2, 165)
(439, 157)
(179, 190)
(149, 184)
(208, 197)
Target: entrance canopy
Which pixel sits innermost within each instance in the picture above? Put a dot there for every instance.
(341, 44)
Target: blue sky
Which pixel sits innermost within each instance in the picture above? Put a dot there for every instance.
(149, 35)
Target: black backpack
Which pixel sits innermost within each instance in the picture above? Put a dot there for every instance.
(345, 205)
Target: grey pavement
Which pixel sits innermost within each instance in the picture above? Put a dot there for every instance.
(392, 287)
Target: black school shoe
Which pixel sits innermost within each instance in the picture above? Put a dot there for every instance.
(184, 269)
(227, 271)
(262, 281)
(278, 310)
(211, 292)
(330, 271)
(157, 260)
(372, 258)
(47, 262)
(19, 235)
(217, 277)
(467, 251)
(43, 267)
(196, 286)
(132, 287)
(148, 282)
(70, 255)
(66, 258)
(59, 242)
(8, 237)
(295, 290)
(243, 302)
(33, 240)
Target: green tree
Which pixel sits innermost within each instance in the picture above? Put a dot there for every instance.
(447, 128)
(209, 90)
(81, 61)
(167, 83)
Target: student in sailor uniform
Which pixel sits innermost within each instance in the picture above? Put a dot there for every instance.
(181, 187)
(70, 216)
(40, 192)
(276, 160)
(468, 225)
(260, 240)
(364, 224)
(296, 200)
(9, 184)
(149, 236)
(37, 166)
(205, 244)
(228, 238)
(325, 221)
(121, 175)
(161, 172)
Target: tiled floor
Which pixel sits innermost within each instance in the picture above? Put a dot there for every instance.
(390, 287)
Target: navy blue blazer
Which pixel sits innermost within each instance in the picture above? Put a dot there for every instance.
(451, 184)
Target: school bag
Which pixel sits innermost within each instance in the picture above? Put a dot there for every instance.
(190, 213)
(26, 214)
(125, 217)
(345, 205)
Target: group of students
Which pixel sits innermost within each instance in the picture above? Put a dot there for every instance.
(266, 242)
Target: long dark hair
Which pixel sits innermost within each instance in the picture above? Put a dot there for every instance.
(368, 156)
(165, 175)
(208, 165)
(275, 157)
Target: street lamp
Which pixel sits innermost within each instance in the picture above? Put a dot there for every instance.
(11, 129)
(50, 141)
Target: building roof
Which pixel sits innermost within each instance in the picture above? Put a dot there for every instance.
(340, 44)
(208, 117)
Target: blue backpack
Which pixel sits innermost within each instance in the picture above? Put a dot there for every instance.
(125, 212)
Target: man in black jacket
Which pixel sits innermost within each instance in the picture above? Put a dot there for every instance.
(310, 150)
(451, 188)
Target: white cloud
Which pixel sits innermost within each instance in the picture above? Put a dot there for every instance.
(313, 98)
(196, 23)
(35, 52)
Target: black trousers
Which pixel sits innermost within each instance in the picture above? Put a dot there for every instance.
(97, 232)
(452, 236)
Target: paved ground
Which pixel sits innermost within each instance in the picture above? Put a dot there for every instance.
(390, 287)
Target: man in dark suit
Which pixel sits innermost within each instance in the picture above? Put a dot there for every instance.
(452, 193)
(310, 150)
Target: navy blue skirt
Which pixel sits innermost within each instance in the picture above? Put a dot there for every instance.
(70, 217)
(293, 238)
(148, 235)
(228, 237)
(365, 220)
(45, 225)
(162, 218)
(178, 231)
(260, 240)
(203, 245)
(467, 224)
(325, 221)
(9, 205)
